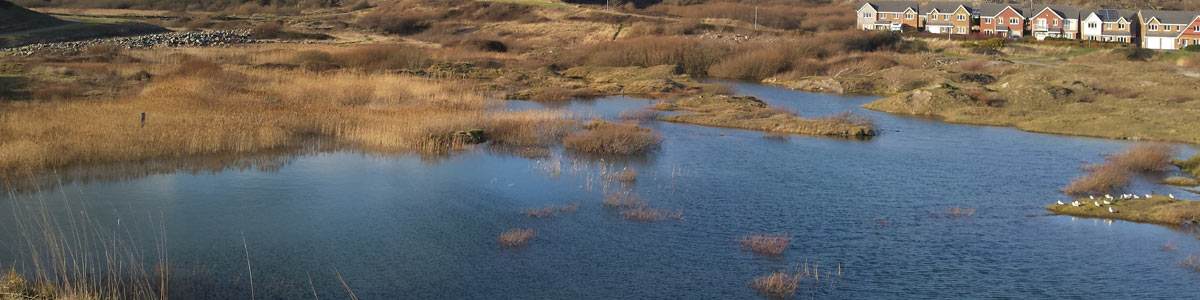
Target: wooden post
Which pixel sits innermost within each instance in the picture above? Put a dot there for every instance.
(143, 123)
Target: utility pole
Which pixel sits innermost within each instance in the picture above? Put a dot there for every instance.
(756, 18)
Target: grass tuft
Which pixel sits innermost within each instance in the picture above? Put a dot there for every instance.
(515, 237)
(772, 244)
(601, 137)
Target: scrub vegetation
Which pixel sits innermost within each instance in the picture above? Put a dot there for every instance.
(1118, 170)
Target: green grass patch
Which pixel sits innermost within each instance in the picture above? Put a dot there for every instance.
(1190, 165)
(1158, 209)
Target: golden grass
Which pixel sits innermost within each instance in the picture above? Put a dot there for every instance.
(202, 108)
(515, 237)
(1158, 209)
(601, 137)
(624, 199)
(769, 244)
(779, 284)
(625, 176)
(1190, 165)
(1118, 169)
(747, 112)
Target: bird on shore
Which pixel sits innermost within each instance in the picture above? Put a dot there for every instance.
(1171, 195)
(1092, 197)
(1060, 202)
(1097, 203)
(1106, 202)
(1108, 196)
(1075, 203)
(1111, 210)
(1148, 196)
(1135, 197)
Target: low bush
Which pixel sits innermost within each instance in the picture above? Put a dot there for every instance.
(1145, 157)
(1192, 48)
(602, 137)
(1099, 179)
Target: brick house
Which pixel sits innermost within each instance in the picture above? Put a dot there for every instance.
(947, 17)
(888, 15)
(1110, 25)
(1001, 20)
(1054, 21)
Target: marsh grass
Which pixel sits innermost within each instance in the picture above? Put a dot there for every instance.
(80, 258)
(624, 176)
(1190, 165)
(769, 244)
(1192, 262)
(515, 237)
(602, 137)
(551, 211)
(202, 108)
(1119, 169)
(625, 199)
(785, 284)
(1157, 209)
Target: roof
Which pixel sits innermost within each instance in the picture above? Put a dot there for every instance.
(944, 7)
(1170, 17)
(1110, 15)
(1064, 11)
(992, 9)
(890, 6)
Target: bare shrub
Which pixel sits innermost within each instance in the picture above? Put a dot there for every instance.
(848, 118)
(600, 137)
(384, 57)
(639, 115)
(1145, 157)
(1100, 179)
(755, 65)
(515, 237)
(693, 56)
(769, 244)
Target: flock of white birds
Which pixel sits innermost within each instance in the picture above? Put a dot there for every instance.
(1108, 200)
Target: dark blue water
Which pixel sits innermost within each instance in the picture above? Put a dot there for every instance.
(409, 227)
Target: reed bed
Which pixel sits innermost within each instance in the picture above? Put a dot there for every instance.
(602, 137)
(624, 176)
(515, 237)
(785, 284)
(1118, 169)
(769, 244)
(201, 108)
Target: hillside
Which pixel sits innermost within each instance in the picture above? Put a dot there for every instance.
(18, 18)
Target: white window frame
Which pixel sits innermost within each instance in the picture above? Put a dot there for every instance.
(962, 17)
(961, 30)
(1013, 21)
(910, 16)
(1120, 25)
(1055, 23)
(1152, 27)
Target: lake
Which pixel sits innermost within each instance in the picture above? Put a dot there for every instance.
(407, 226)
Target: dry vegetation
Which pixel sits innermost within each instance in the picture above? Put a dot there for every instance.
(515, 237)
(1119, 169)
(551, 211)
(1190, 165)
(1181, 181)
(1192, 262)
(601, 137)
(785, 284)
(769, 244)
(747, 112)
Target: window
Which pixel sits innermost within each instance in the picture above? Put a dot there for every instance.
(1120, 25)
(962, 17)
(910, 16)
(1055, 23)
(1013, 21)
(1107, 26)
(1197, 29)
(1152, 27)
(1000, 21)
(987, 21)
(1122, 39)
(987, 32)
(1092, 25)
(962, 30)
(866, 15)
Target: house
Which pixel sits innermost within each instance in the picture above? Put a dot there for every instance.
(1001, 20)
(1054, 21)
(947, 17)
(1161, 29)
(1191, 34)
(888, 15)
(1110, 25)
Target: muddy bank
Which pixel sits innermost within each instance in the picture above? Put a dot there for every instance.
(1158, 209)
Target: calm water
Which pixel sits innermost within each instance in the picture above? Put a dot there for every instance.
(407, 227)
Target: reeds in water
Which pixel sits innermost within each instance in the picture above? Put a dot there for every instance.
(769, 244)
(644, 214)
(515, 237)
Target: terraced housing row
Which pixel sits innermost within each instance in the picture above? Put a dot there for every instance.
(1151, 29)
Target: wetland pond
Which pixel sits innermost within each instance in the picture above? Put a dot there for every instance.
(412, 227)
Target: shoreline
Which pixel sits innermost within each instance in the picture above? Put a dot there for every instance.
(1159, 209)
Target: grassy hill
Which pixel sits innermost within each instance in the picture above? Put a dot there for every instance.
(18, 18)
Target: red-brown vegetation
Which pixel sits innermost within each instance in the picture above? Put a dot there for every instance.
(769, 244)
